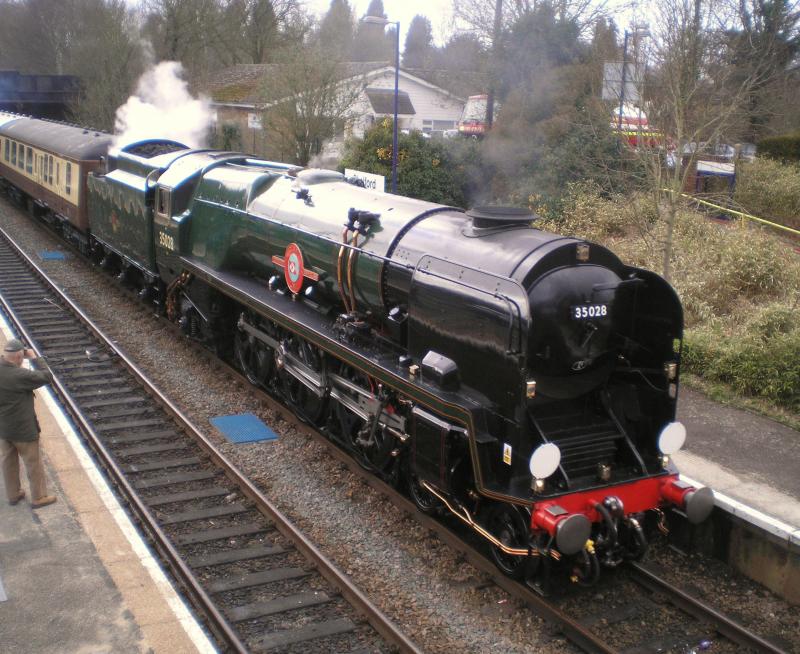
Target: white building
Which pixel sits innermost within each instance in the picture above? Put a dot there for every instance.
(237, 93)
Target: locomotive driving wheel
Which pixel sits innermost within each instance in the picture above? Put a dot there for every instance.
(508, 526)
(255, 359)
(424, 500)
(346, 422)
(306, 402)
(370, 446)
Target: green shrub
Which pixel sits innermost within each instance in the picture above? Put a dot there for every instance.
(785, 147)
(751, 365)
(424, 167)
(769, 189)
(586, 211)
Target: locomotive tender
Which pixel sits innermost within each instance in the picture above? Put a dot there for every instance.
(523, 382)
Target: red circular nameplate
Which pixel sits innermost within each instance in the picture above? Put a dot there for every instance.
(293, 268)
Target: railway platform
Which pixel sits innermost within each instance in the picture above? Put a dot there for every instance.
(748, 457)
(75, 576)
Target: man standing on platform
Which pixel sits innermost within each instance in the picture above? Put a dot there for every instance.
(19, 428)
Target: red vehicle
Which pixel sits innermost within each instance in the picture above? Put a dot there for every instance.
(635, 128)
(473, 118)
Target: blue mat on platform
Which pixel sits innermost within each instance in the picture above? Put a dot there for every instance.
(52, 255)
(243, 428)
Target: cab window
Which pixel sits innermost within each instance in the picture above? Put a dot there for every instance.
(163, 202)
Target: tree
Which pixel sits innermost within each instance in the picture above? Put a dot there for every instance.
(309, 96)
(462, 52)
(696, 95)
(425, 168)
(477, 16)
(108, 58)
(374, 42)
(766, 40)
(92, 39)
(186, 31)
(418, 51)
(336, 30)
(250, 31)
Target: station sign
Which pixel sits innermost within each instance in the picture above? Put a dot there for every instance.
(254, 121)
(371, 182)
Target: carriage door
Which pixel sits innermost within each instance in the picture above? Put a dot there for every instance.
(429, 453)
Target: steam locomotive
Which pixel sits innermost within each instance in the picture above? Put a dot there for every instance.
(521, 382)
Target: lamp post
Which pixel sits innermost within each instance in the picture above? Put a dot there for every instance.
(637, 31)
(377, 20)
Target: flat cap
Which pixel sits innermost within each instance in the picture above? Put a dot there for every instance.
(14, 345)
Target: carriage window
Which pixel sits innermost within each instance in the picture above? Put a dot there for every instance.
(29, 160)
(58, 174)
(8, 149)
(13, 153)
(68, 178)
(50, 170)
(21, 157)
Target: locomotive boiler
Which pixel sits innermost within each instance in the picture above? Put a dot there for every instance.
(521, 382)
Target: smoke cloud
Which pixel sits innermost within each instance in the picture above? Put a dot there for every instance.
(162, 107)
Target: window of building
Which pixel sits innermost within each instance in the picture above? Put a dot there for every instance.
(437, 127)
(29, 160)
(68, 178)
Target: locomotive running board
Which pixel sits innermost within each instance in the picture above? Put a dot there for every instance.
(309, 324)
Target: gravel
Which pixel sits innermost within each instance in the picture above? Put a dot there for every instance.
(443, 604)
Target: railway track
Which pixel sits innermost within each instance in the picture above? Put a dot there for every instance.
(256, 581)
(583, 630)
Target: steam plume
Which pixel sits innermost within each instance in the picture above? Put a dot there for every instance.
(162, 107)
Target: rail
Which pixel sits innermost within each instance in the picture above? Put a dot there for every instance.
(732, 630)
(200, 596)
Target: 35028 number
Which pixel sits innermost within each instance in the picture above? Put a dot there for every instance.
(589, 311)
(166, 241)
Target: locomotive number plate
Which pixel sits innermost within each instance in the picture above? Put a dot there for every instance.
(588, 311)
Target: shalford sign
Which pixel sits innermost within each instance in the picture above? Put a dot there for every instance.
(372, 182)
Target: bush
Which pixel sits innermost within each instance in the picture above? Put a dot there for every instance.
(750, 363)
(424, 166)
(785, 147)
(588, 212)
(771, 190)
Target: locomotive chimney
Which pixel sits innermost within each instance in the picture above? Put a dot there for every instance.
(493, 216)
